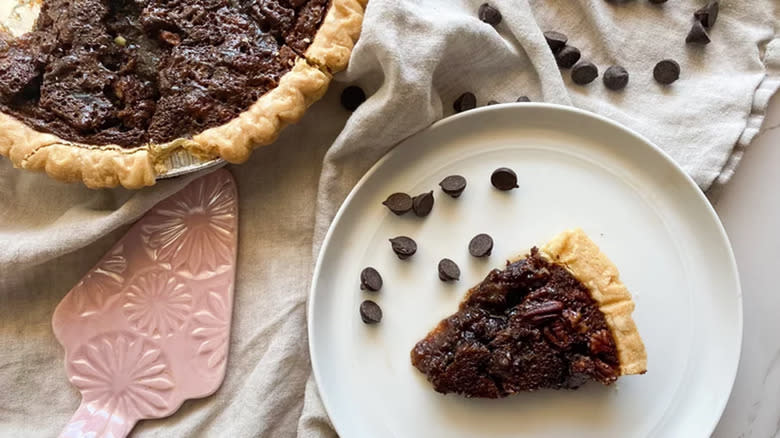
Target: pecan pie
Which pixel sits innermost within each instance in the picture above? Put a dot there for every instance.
(554, 319)
(104, 91)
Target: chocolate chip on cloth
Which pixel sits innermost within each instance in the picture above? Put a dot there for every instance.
(584, 73)
(708, 14)
(370, 312)
(489, 14)
(567, 56)
(453, 185)
(523, 99)
(370, 279)
(423, 204)
(399, 203)
(465, 102)
(698, 34)
(657, 2)
(352, 97)
(555, 40)
(504, 179)
(666, 71)
(615, 78)
(448, 270)
(404, 247)
(481, 245)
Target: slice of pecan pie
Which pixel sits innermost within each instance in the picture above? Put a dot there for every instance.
(554, 319)
(104, 91)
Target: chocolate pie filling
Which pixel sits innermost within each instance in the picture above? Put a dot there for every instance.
(529, 326)
(129, 72)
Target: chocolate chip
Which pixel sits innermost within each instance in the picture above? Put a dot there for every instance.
(423, 204)
(523, 99)
(448, 270)
(698, 34)
(352, 97)
(492, 102)
(616, 78)
(555, 40)
(370, 312)
(370, 279)
(481, 245)
(657, 2)
(504, 178)
(404, 247)
(453, 185)
(465, 102)
(666, 71)
(584, 73)
(567, 56)
(399, 203)
(708, 14)
(489, 14)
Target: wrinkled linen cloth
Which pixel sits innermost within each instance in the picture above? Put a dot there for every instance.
(414, 58)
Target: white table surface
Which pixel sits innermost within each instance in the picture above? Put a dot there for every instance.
(750, 210)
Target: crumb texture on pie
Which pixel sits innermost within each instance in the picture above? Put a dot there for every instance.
(575, 250)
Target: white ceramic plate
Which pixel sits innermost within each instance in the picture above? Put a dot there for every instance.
(575, 170)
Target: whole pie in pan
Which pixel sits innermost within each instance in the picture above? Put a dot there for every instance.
(555, 319)
(103, 91)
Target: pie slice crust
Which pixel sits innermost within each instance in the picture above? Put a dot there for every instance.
(555, 318)
(259, 125)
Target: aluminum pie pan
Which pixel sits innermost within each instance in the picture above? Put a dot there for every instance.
(18, 17)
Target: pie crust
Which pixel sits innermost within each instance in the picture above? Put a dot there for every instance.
(574, 250)
(112, 165)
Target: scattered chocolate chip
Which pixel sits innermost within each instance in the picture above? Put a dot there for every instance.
(489, 14)
(370, 279)
(352, 97)
(399, 203)
(465, 102)
(567, 56)
(404, 247)
(448, 270)
(555, 40)
(481, 245)
(657, 2)
(616, 78)
(666, 71)
(423, 204)
(584, 73)
(523, 99)
(370, 312)
(708, 14)
(453, 185)
(504, 178)
(492, 102)
(698, 34)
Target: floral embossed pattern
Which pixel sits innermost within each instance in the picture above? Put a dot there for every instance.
(211, 329)
(91, 293)
(157, 303)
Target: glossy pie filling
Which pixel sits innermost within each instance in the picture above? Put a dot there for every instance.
(130, 72)
(530, 326)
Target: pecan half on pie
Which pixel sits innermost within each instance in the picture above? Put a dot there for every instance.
(104, 91)
(554, 319)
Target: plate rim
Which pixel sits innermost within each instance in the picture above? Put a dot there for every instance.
(456, 118)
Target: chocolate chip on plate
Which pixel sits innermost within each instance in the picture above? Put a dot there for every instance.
(370, 279)
(523, 99)
(698, 34)
(555, 40)
(352, 97)
(423, 204)
(584, 73)
(666, 71)
(481, 245)
(465, 102)
(448, 270)
(616, 78)
(399, 203)
(708, 14)
(504, 178)
(370, 312)
(489, 14)
(567, 56)
(404, 247)
(492, 102)
(453, 185)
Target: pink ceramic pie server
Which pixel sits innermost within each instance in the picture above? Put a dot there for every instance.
(149, 326)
